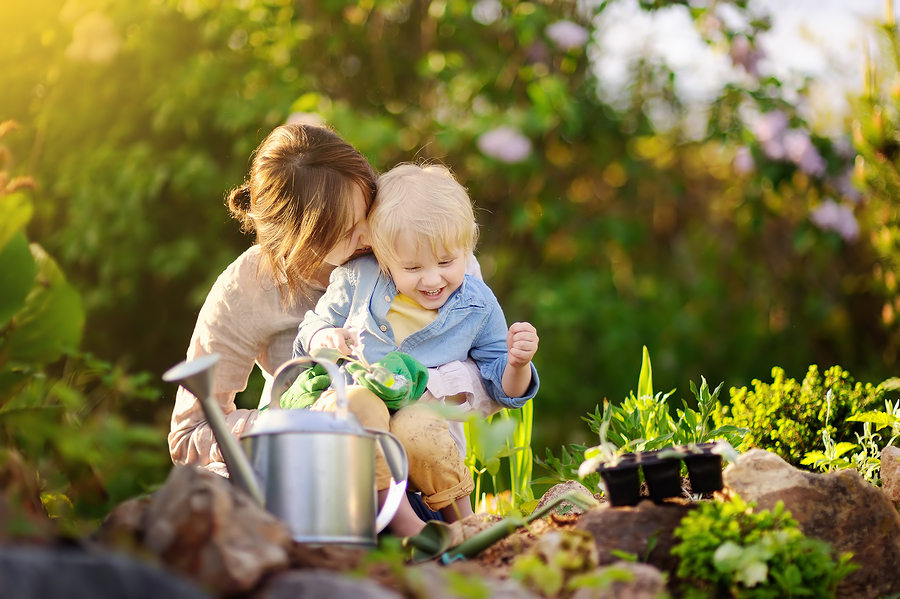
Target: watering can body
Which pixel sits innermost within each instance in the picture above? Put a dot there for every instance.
(314, 470)
(318, 475)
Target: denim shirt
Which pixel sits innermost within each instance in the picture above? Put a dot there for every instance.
(469, 324)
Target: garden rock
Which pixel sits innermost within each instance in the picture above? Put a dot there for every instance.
(42, 572)
(629, 580)
(565, 508)
(890, 472)
(434, 582)
(840, 508)
(645, 530)
(123, 526)
(313, 584)
(202, 526)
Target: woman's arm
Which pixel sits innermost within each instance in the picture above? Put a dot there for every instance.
(222, 328)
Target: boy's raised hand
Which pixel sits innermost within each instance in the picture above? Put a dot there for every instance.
(337, 338)
(521, 343)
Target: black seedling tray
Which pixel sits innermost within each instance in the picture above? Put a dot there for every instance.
(662, 473)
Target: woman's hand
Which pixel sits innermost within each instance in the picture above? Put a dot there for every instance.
(337, 338)
(521, 343)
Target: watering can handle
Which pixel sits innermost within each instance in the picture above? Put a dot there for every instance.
(396, 459)
(282, 375)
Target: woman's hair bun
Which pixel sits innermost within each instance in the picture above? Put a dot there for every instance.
(239, 200)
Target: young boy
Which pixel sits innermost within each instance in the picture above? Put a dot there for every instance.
(416, 298)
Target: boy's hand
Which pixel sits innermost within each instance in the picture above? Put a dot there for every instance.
(337, 338)
(522, 343)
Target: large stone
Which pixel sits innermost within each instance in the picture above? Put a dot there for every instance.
(566, 507)
(840, 508)
(435, 582)
(202, 526)
(645, 530)
(890, 472)
(123, 527)
(42, 572)
(625, 580)
(316, 584)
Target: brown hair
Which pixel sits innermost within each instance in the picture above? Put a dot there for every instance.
(299, 200)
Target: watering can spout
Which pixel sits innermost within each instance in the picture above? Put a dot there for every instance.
(197, 377)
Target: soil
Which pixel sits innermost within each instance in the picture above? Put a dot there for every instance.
(494, 562)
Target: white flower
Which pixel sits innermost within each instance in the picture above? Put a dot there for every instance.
(831, 216)
(803, 153)
(94, 39)
(567, 35)
(505, 144)
(487, 11)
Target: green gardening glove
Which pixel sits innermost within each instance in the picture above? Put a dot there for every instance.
(306, 389)
(398, 379)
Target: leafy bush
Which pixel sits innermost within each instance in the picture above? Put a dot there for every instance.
(729, 550)
(786, 417)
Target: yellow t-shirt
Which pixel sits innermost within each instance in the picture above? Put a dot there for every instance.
(407, 317)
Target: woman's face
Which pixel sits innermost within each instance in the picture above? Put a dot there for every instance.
(354, 242)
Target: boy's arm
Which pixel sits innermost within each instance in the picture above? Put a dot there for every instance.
(492, 355)
(331, 312)
(521, 344)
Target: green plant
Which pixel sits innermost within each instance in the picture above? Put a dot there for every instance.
(867, 458)
(784, 416)
(727, 549)
(488, 442)
(62, 412)
(639, 424)
(831, 457)
(645, 423)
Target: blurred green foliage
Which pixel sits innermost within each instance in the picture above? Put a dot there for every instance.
(787, 417)
(64, 422)
(608, 235)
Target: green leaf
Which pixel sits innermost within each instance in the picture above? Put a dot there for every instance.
(645, 382)
(879, 419)
(51, 319)
(15, 212)
(17, 272)
(842, 448)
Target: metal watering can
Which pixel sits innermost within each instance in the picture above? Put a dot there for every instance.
(313, 470)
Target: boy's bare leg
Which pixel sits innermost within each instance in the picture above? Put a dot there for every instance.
(458, 510)
(405, 523)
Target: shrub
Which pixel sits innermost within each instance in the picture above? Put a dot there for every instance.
(786, 417)
(729, 550)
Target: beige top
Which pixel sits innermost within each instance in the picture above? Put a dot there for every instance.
(244, 321)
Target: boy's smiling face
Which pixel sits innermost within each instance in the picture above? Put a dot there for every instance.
(427, 277)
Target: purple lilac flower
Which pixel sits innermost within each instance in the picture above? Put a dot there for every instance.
(505, 144)
(567, 35)
(803, 153)
(743, 161)
(831, 216)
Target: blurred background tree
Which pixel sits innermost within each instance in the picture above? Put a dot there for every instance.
(726, 251)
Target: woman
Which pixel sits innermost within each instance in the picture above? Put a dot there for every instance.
(306, 199)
